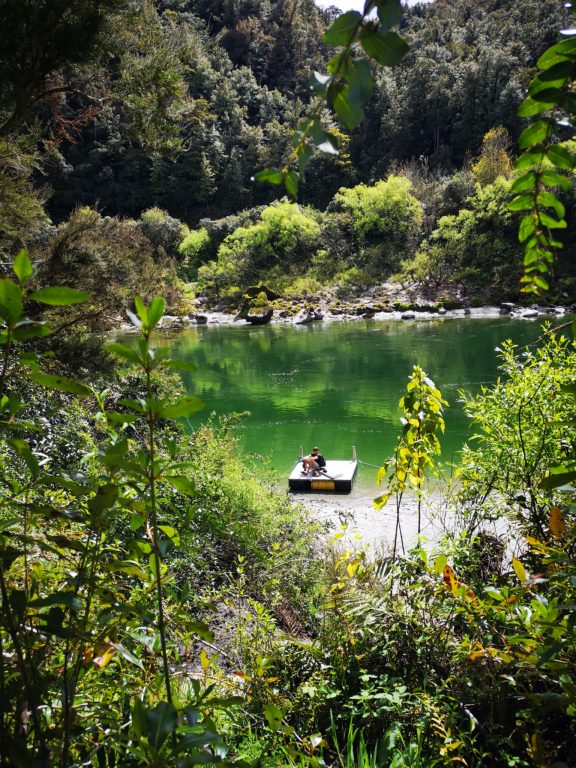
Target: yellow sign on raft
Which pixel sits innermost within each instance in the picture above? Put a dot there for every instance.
(322, 485)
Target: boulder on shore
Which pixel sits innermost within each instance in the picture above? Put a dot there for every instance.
(306, 316)
(261, 318)
(530, 313)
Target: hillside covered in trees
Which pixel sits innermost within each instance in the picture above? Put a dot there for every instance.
(160, 121)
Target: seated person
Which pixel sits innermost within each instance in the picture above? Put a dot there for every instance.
(314, 463)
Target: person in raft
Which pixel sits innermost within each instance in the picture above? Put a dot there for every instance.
(314, 463)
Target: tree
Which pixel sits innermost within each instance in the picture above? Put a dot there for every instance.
(478, 245)
(269, 250)
(385, 219)
(41, 47)
(21, 204)
(494, 160)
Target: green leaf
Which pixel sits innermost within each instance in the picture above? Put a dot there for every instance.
(526, 229)
(20, 424)
(114, 455)
(342, 29)
(200, 629)
(136, 405)
(521, 203)
(535, 134)
(558, 476)
(60, 383)
(181, 484)
(526, 181)
(389, 13)
(67, 599)
(172, 534)
(186, 406)
(141, 310)
(531, 107)
(126, 353)
(553, 179)
(274, 716)
(305, 153)
(23, 450)
(565, 49)
(360, 83)
(159, 723)
(338, 63)
(104, 499)
(529, 160)
(540, 282)
(548, 200)
(22, 266)
(155, 312)
(128, 655)
(130, 567)
(29, 330)
(197, 741)
(348, 112)
(561, 157)
(10, 301)
(561, 71)
(270, 175)
(440, 564)
(114, 418)
(60, 296)
(138, 713)
(545, 82)
(319, 82)
(291, 180)
(387, 49)
(179, 365)
(547, 96)
(550, 222)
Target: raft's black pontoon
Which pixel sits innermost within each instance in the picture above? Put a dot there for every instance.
(335, 477)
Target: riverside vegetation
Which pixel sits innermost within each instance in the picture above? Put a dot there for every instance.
(128, 161)
(161, 606)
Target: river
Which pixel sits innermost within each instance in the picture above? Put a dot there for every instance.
(337, 385)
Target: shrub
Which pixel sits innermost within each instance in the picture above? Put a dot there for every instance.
(386, 218)
(281, 240)
(193, 250)
(164, 232)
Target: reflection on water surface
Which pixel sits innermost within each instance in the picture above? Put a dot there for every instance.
(337, 385)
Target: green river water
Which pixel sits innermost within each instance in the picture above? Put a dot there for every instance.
(337, 385)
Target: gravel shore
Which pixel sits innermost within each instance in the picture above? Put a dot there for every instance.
(375, 529)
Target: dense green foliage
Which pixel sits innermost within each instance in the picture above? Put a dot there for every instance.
(161, 606)
(166, 111)
(234, 91)
(87, 534)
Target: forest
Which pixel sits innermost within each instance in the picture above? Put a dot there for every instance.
(163, 603)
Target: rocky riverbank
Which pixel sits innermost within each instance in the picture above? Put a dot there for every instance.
(389, 301)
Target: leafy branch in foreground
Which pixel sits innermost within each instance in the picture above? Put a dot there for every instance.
(545, 160)
(423, 408)
(347, 86)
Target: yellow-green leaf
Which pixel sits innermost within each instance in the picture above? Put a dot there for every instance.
(519, 570)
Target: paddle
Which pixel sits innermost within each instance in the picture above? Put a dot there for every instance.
(332, 477)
